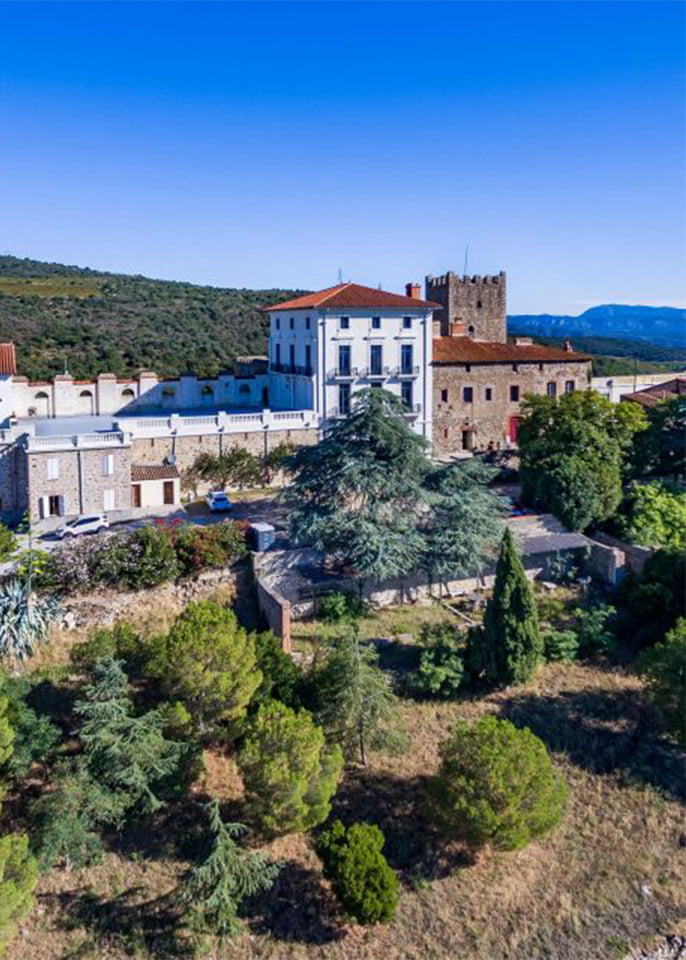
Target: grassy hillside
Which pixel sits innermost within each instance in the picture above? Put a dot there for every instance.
(96, 322)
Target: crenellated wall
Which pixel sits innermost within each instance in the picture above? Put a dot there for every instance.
(472, 306)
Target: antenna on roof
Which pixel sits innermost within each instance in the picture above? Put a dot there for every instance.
(340, 275)
(66, 371)
(466, 260)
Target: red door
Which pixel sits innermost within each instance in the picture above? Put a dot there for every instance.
(513, 430)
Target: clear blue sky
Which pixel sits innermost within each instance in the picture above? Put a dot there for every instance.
(268, 144)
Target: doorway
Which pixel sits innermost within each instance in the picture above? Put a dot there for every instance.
(513, 429)
(136, 495)
(168, 492)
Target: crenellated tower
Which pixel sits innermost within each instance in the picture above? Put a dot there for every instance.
(474, 307)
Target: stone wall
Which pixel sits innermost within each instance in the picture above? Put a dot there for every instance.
(480, 303)
(13, 481)
(487, 422)
(276, 611)
(81, 481)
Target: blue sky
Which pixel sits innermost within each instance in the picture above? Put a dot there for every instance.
(270, 144)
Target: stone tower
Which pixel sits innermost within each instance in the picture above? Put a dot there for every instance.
(474, 307)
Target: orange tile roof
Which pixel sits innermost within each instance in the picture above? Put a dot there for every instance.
(466, 350)
(152, 471)
(353, 295)
(8, 359)
(649, 396)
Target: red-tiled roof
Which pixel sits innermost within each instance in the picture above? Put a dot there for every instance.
(353, 295)
(148, 471)
(466, 350)
(8, 359)
(659, 391)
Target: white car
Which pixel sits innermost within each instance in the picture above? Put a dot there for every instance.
(94, 523)
(218, 501)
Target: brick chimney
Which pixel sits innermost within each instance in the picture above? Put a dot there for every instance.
(568, 346)
(413, 290)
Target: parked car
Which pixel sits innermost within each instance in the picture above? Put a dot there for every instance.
(218, 501)
(94, 523)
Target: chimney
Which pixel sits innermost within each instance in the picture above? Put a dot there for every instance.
(568, 346)
(413, 290)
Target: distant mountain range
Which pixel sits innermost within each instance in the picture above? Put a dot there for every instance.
(663, 325)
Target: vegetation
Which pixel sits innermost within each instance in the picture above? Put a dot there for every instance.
(208, 663)
(441, 671)
(362, 880)
(657, 515)
(281, 678)
(358, 707)
(652, 602)
(18, 878)
(235, 468)
(574, 450)
(289, 772)
(33, 735)
(661, 450)
(24, 619)
(121, 324)
(497, 785)
(664, 668)
(507, 648)
(212, 892)
(8, 543)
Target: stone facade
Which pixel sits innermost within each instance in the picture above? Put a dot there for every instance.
(78, 481)
(474, 306)
(487, 419)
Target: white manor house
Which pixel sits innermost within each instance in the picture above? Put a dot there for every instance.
(70, 447)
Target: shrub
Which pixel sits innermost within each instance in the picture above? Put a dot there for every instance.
(281, 678)
(208, 663)
(8, 543)
(18, 878)
(560, 645)
(34, 734)
(497, 785)
(594, 630)
(362, 880)
(664, 669)
(338, 607)
(655, 599)
(120, 641)
(657, 515)
(24, 619)
(141, 559)
(200, 548)
(289, 772)
(441, 666)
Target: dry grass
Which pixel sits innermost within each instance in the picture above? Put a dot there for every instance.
(610, 876)
(385, 622)
(49, 287)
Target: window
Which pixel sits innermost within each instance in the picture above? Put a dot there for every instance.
(207, 391)
(108, 465)
(570, 386)
(515, 368)
(406, 354)
(406, 393)
(278, 354)
(53, 467)
(376, 359)
(376, 323)
(244, 388)
(470, 329)
(108, 499)
(344, 323)
(514, 394)
(488, 393)
(307, 323)
(128, 394)
(444, 396)
(344, 359)
(308, 357)
(55, 506)
(344, 399)
(168, 392)
(291, 355)
(292, 323)
(278, 323)
(467, 394)
(407, 323)
(479, 304)
(540, 368)
(551, 389)
(467, 368)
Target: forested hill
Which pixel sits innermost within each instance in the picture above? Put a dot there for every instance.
(665, 325)
(95, 322)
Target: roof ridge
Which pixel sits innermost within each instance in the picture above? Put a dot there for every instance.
(334, 290)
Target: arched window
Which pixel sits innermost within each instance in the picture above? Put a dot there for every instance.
(244, 388)
(207, 391)
(128, 393)
(86, 393)
(470, 329)
(168, 392)
(41, 396)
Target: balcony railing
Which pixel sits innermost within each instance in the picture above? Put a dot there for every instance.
(406, 371)
(372, 372)
(343, 373)
(412, 411)
(293, 369)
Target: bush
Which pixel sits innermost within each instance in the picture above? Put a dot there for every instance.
(560, 645)
(8, 543)
(18, 878)
(281, 678)
(120, 641)
(655, 599)
(362, 880)
(138, 560)
(34, 734)
(201, 548)
(664, 669)
(441, 666)
(594, 630)
(497, 785)
(657, 516)
(339, 607)
(24, 619)
(289, 773)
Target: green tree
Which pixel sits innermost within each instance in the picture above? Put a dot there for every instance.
(441, 668)
(657, 516)
(128, 755)
(664, 669)
(18, 878)
(281, 678)
(209, 663)
(358, 707)
(497, 785)
(574, 452)
(237, 467)
(6, 745)
(661, 449)
(8, 543)
(365, 885)
(654, 600)
(289, 772)
(358, 495)
(277, 459)
(213, 891)
(34, 734)
(508, 646)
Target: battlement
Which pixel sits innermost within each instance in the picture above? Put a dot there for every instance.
(450, 277)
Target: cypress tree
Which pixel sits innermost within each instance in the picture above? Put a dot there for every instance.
(509, 645)
(213, 891)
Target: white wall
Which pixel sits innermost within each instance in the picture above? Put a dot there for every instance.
(152, 491)
(616, 387)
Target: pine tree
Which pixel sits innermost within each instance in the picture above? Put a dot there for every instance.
(127, 754)
(359, 709)
(18, 878)
(509, 645)
(289, 772)
(213, 891)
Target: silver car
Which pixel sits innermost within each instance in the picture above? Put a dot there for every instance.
(94, 523)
